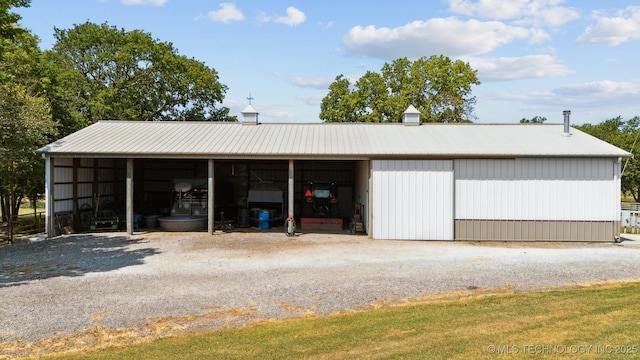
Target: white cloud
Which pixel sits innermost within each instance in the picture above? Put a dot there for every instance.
(145, 2)
(294, 17)
(228, 12)
(539, 36)
(327, 25)
(537, 12)
(262, 17)
(589, 95)
(613, 30)
(283, 114)
(525, 67)
(605, 88)
(488, 8)
(312, 100)
(316, 83)
(449, 36)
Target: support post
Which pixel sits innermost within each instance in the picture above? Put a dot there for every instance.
(290, 190)
(49, 197)
(76, 212)
(369, 210)
(129, 214)
(211, 228)
(290, 224)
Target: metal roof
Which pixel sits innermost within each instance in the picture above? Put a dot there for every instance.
(221, 140)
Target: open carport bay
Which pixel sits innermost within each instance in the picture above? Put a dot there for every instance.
(158, 188)
(159, 283)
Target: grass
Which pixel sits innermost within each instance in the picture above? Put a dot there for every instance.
(26, 208)
(587, 322)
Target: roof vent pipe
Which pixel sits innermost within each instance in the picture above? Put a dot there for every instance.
(566, 114)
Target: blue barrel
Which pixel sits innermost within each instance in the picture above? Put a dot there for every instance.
(263, 215)
(137, 220)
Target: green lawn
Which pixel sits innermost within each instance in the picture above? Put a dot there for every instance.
(596, 322)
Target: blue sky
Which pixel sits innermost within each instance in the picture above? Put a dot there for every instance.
(534, 57)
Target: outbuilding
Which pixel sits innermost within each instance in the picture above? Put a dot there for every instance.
(413, 181)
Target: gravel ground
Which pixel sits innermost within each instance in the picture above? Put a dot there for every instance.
(78, 291)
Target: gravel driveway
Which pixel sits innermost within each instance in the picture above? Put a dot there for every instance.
(81, 290)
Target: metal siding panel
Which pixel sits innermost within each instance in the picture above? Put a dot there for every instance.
(385, 203)
(62, 174)
(63, 205)
(105, 174)
(442, 191)
(413, 199)
(415, 207)
(537, 189)
(85, 175)
(553, 211)
(63, 191)
(475, 189)
(377, 199)
(390, 188)
(491, 230)
(460, 189)
(64, 162)
(85, 190)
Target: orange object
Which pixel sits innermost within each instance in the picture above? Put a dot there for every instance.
(308, 196)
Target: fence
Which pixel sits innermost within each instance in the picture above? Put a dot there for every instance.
(23, 225)
(630, 218)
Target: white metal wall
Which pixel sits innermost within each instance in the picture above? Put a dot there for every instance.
(538, 189)
(412, 199)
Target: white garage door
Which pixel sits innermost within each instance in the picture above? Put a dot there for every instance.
(412, 199)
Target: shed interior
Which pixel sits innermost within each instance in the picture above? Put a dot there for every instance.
(240, 185)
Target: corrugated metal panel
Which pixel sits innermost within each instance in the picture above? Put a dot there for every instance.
(331, 140)
(523, 230)
(63, 191)
(105, 174)
(85, 190)
(537, 189)
(412, 199)
(105, 162)
(63, 174)
(85, 174)
(86, 162)
(64, 205)
(64, 162)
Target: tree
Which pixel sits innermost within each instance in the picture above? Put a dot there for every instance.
(9, 28)
(339, 105)
(533, 120)
(105, 73)
(26, 125)
(25, 119)
(625, 135)
(437, 86)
